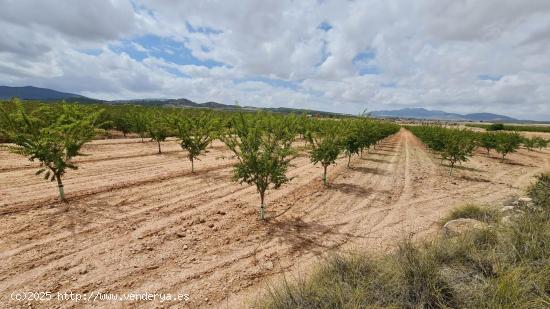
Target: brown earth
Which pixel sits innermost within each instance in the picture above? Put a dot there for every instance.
(137, 221)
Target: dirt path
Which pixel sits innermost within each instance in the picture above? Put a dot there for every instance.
(141, 222)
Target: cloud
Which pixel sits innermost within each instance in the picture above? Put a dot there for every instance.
(460, 56)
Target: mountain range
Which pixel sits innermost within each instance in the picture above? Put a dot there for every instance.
(44, 94)
(422, 113)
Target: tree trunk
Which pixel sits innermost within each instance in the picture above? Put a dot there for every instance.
(451, 171)
(159, 146)
(349, 159)
(325, 175)
(192, 165)
(262, 194)
(60, 187)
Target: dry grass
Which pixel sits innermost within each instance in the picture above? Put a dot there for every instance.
(503, 267)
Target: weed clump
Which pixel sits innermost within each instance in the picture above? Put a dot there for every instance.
(506, 266)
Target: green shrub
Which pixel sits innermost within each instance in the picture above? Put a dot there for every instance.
(496, 127)
(540, 191)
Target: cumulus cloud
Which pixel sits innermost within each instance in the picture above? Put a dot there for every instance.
(460, 56)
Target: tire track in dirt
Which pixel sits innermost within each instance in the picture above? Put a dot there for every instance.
(134, 243)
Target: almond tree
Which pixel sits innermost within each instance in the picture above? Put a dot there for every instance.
(157, 126)
(195, 131)
(326, 146)
(351, 142)
(507, 143)
(487, 141)
(459, 145)
(138, 122)
(529, 143)
(54, 142)
(540, 142)
(263, 146)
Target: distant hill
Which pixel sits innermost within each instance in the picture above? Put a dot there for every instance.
(422, 113)
(44, 94)
(35, 93)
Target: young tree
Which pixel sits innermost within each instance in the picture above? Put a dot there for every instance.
(326, 147)
(529, 143)
(53, 143)
(507, 143)
(540, 142)
(196, 131)
(157, 127)
(350, 141)
(487, 141)
(459, 145)
(263, 145)
(122, 124)
(138, 122)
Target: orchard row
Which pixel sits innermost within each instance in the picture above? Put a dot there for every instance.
(263, 143)
(457, 145)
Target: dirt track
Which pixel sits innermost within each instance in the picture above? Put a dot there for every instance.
(138, 221)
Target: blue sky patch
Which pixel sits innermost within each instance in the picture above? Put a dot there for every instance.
(363, 62)
(325, 26)
(160, 47)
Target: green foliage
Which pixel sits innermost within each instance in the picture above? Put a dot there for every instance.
(263, 145)
(540, 142)
(507, 127)
(138, 121)
(195, 132)
(487, 141)
(454, 145)
(158, 128)
(459, 145)
(529, 143)
(53, 138)
(540, 192)
(507, 143)
(326, 146)
(495, 127)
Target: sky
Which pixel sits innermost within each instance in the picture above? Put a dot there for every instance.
(461, 56)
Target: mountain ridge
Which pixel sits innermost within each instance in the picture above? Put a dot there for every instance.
(36, 93)
(423, 113)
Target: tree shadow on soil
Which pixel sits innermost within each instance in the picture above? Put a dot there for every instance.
(348, 188)
(464, 168)
(368, 170)
(375, 160)
(308, 236)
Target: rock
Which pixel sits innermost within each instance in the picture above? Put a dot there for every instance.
(180, 234)
(83, 270)
(462, 225)
(185, 247)
(269, 265)
(221, 212)
(507, 209)
(211, 225)
(525, 200)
